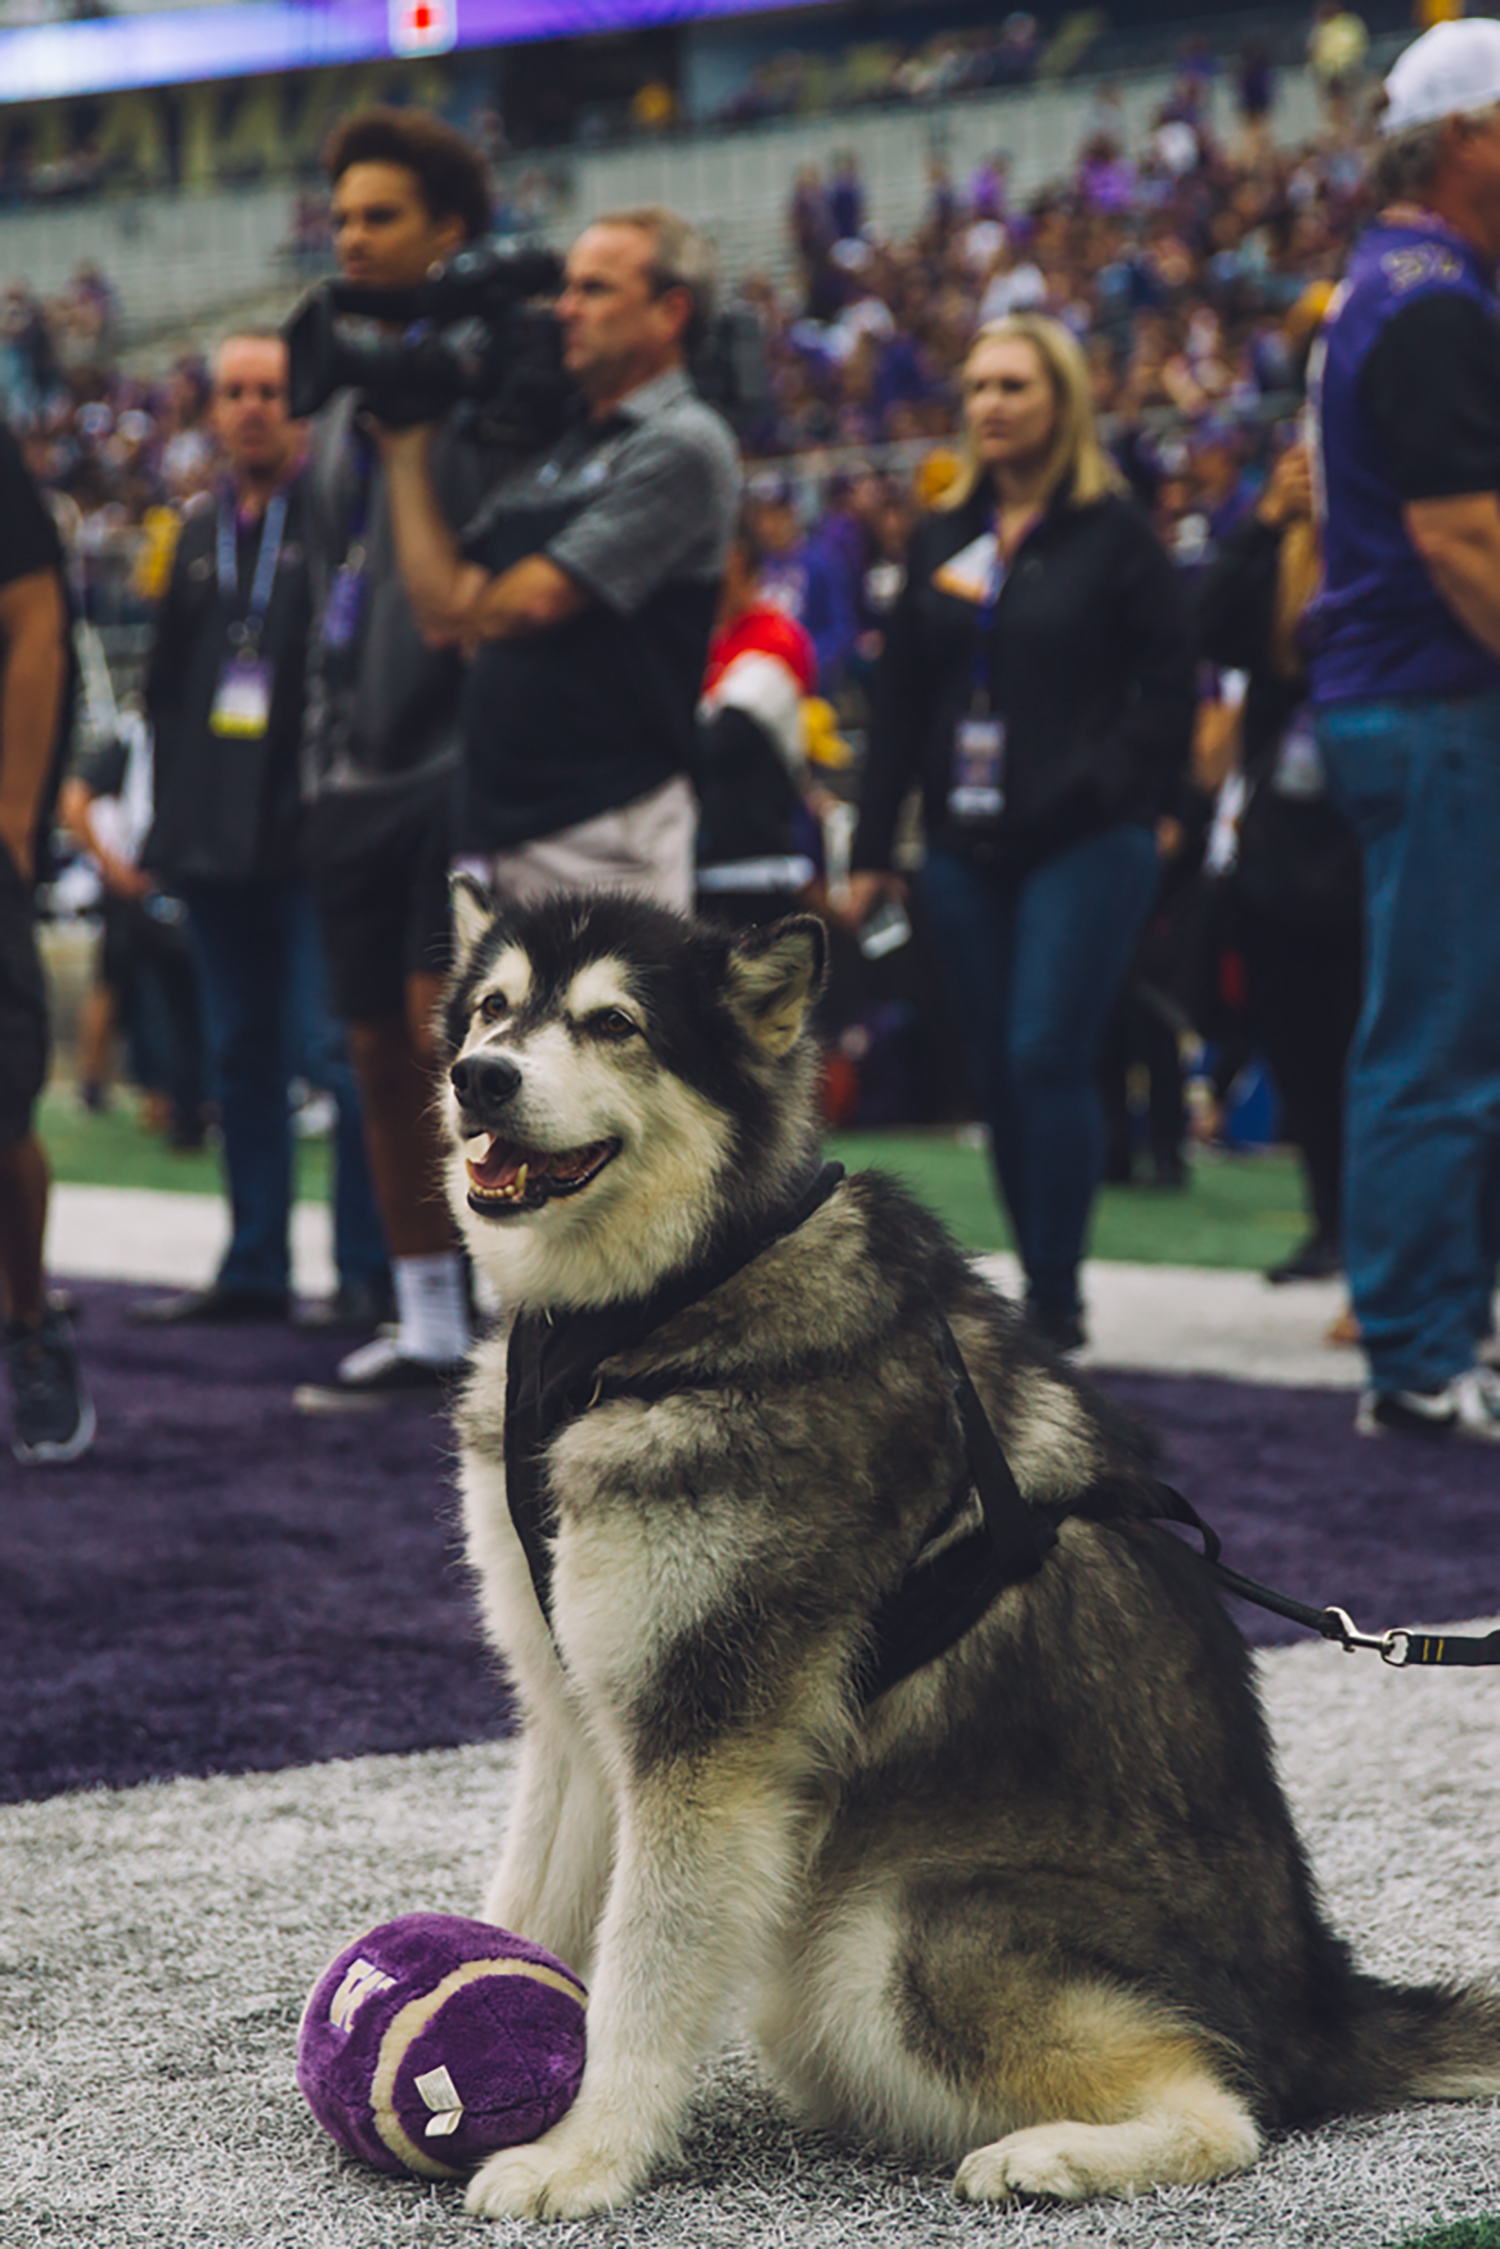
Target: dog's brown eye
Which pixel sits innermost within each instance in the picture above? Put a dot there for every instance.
(613, 1023)
(493, 1006)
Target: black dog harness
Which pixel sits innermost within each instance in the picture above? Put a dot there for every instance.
(553, 1375)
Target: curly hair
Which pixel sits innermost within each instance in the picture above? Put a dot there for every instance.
(449, 173)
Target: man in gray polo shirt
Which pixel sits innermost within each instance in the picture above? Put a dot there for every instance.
(585, 589)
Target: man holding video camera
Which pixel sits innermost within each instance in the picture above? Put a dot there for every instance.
(382, 741)
(585, 588)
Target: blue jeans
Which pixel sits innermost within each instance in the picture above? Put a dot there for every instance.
(266, 1020)
(1421, 783)
(1034, 962)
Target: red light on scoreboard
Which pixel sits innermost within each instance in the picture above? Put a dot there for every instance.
(423, 27)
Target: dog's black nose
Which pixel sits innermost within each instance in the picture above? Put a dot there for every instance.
(485, 1081)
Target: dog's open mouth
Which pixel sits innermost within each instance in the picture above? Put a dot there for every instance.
(512, 1177)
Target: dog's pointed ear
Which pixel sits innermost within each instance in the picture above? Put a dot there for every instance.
(473, 911)
(775, 975)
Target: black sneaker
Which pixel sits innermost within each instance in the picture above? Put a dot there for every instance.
(355, 1304)
(1318, 1259)
(217, 1306)
(378, 1374)
(52, 1415)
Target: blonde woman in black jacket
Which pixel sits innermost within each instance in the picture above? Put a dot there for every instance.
(1037, 685)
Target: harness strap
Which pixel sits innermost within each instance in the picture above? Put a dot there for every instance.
(938, 1600)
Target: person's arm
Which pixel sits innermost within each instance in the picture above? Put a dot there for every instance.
(1458, 540)
(32, 626)
(457, 602)
(75, 808)
(1233, 603)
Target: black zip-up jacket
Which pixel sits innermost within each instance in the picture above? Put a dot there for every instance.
(227, 810)
(1090, 667)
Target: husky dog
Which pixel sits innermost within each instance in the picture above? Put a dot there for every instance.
(1031, 1900)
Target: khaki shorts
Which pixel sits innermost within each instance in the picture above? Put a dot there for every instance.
(645, 847)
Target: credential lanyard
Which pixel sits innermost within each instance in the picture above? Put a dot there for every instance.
(976, 792)
(247, 632)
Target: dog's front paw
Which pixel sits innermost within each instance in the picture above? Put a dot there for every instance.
(552, 2178)
(1040, 2161)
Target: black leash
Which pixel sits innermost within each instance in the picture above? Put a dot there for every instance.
(1400, 1647)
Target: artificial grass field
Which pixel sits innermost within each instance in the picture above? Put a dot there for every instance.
(1240, 1211)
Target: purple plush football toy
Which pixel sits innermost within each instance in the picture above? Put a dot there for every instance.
(433, 2041)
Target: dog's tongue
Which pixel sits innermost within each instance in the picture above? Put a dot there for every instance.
(501, 1162)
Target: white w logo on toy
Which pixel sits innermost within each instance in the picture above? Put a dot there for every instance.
(362, 1978)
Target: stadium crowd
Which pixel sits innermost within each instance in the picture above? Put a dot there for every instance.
(1188, 269)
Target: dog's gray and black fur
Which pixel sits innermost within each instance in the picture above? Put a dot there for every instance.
(1039, 1907)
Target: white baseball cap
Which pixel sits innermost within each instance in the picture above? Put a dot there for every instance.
(1451, 69)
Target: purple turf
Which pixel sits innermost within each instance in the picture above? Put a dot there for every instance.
(226, 1585)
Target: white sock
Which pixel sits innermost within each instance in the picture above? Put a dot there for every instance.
(431, 1310)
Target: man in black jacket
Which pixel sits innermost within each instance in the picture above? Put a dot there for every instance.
(225, 694)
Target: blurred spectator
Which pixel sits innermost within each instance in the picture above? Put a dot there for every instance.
(1015, 59)
(187, 454)
(1255, 97)
(146, 986)
(225, 698)
(752, 769)
(846, 197)
(810, 577)
(1336, 48)
(1296, 883)
(28, 361)
(1036, 682)
(653, 106)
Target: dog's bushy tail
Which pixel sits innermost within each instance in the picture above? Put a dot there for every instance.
(1429, 2042)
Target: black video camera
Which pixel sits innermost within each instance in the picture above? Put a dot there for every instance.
(478, 336)
(479, 339)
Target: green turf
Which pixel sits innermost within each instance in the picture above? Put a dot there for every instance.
(1473, 2233)
(115, 1150)
(1243, 1211)
(1237, 1211)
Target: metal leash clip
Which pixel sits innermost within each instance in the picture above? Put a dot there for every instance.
(1345, 1630)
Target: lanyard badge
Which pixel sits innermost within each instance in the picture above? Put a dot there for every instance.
(976, 790)
(241, 708)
